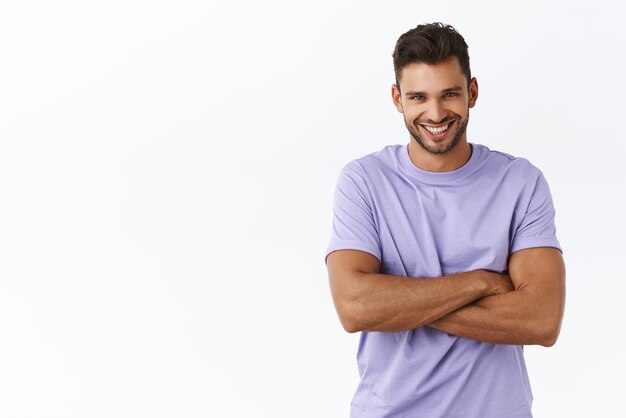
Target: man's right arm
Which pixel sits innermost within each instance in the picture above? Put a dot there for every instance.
(366, 300)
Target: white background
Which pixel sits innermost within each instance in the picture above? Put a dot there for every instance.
(166, 180)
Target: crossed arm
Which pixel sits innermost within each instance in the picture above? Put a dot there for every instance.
(525, 307)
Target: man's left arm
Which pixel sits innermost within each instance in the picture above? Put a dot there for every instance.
(531, 314)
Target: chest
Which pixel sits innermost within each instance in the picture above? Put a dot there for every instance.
(428, 231)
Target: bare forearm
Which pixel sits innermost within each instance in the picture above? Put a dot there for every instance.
(506, 318)
(531, 314)
(381, 302)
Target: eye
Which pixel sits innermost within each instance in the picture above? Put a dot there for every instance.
(418, 97)
(450, 94)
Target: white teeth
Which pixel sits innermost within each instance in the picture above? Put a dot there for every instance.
(436, 131)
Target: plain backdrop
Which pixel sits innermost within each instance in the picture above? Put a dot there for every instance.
(166, 180)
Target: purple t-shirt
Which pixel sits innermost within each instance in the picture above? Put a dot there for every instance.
(426, 224)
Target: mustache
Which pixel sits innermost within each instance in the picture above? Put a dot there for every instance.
(432, 122)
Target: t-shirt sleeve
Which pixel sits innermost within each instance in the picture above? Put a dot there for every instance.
(353, 224)
(537, 227)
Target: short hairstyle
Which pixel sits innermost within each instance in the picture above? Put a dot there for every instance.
(430, 44)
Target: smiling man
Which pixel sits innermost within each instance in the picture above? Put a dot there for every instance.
(443, 253)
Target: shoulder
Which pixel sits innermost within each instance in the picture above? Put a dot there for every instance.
(383, 160)
(507, 165)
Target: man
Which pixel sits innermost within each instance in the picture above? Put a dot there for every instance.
(443, 253)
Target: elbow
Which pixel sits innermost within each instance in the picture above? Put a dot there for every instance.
(550, 340)
(349, 317)
(356, 317)
(351, 311)
(351, 328)
(549, 336)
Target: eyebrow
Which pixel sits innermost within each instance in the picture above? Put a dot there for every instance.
(421, 93)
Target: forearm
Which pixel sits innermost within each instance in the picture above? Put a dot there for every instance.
(380, 302)
(509, 318)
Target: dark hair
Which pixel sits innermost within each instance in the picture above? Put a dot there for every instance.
(430, 44)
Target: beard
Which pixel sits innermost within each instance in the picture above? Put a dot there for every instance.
(442, 148)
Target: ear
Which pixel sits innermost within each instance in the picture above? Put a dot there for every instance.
(397, 98)
(473, 92)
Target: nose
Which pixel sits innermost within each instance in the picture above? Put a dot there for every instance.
(435, 113)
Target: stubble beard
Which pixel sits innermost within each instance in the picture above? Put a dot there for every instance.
(437, 150)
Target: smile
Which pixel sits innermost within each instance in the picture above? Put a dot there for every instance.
(436, 130)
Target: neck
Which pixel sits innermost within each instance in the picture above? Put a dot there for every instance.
(453, 160)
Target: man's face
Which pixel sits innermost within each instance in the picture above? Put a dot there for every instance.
(435, 102)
